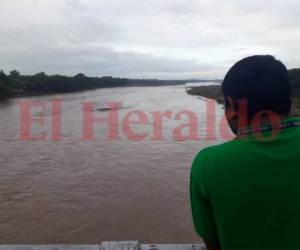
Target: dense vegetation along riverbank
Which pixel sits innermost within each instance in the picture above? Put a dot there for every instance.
(15, 84)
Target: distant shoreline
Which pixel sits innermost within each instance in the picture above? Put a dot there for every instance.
(16, 85)
(21, 94)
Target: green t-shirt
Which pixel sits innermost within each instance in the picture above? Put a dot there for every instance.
(245, 193)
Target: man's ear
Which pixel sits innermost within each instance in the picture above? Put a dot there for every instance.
(236, 112)
(231, 114)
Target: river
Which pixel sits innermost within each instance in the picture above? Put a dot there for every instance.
(72, 189)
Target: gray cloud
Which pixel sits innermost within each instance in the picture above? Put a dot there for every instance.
(71, 59)
(149, 38)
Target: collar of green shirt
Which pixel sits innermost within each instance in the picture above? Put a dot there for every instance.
(289, 122)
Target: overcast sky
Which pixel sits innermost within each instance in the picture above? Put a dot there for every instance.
(168, 39)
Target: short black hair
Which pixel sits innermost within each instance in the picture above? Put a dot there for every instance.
(261, 80)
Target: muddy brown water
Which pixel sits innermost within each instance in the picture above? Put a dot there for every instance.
(76, 191)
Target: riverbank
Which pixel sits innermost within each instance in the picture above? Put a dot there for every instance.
(211, 92)
(214, 92)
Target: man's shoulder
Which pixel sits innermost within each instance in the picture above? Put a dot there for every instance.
(212, 159)
(219, 149)
(217, 156)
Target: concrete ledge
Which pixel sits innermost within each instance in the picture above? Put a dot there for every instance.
(120, 245)
(108, 245)
(172, 247)
(49, 247)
